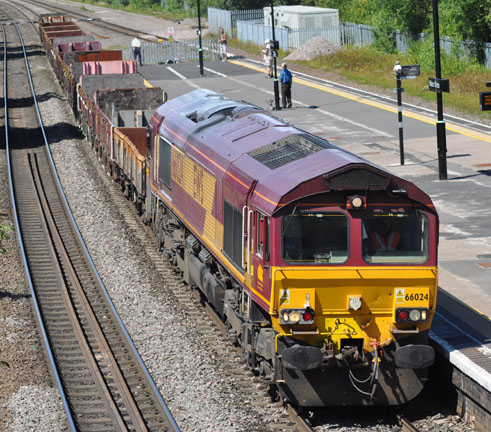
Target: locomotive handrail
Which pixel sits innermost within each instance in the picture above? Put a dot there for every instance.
(249, 241)
(244, 210)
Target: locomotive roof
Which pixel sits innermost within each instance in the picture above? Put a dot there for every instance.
(260, 151)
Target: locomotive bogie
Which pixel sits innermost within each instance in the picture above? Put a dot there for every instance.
(347, 385)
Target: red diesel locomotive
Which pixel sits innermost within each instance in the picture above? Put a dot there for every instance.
(323, 265)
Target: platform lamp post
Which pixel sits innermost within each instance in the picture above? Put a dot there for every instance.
(440, 124)
(399, 90)
(274, 49)
(200, 51)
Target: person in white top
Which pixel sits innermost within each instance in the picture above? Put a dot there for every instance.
(268, 58)
(223, 44)
(136, 49)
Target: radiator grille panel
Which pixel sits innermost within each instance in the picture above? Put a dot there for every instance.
(359, 179)
(289, 149)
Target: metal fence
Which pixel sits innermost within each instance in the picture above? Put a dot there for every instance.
(356, 34)
(257, 33)
(487, 54)
(300, 36)
(228, 19)
(176, 51)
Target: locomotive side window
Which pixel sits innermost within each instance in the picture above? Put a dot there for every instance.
(165, 162)
(260, 234)
(395, 237)
(232, 233)
(315, 238)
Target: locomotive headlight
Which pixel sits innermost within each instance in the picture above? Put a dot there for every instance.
(297, 316)
(294, 316)
(354, 302)
(406, 315)
(356, 202)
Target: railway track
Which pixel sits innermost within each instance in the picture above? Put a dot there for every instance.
(401, 420)
(84, 16)
(102, 380)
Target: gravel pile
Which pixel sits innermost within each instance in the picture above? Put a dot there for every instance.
(313, 48)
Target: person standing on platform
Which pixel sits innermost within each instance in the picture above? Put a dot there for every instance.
(136, 50)
(268, 58)
(286, 86)
(223, 44)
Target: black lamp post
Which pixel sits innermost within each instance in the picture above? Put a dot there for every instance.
(200, 51)
(399, 90)
(275, 55)
(440, 124)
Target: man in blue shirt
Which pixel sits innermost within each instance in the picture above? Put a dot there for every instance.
(286, 86)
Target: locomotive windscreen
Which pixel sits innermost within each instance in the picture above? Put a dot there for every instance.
(315, 238)
(400, 237)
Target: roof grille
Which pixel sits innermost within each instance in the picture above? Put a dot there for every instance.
(358, 179)
(289, 149)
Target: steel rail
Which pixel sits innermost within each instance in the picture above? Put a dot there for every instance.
(113, 309)
(96, 21)
(66, 404)
(406, 425)
(111, 305)
(42, 328)
(57, 248)
(21, 11)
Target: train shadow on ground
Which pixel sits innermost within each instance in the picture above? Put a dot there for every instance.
(437, 400)
(55, 133)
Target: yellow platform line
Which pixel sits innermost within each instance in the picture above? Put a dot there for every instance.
(426, 119)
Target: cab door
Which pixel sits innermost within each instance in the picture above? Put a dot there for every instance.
(260, 268)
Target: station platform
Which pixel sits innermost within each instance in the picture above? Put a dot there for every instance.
(368, 126)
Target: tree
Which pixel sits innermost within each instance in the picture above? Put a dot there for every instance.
(467, 20)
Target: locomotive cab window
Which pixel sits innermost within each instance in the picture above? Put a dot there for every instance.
(232, 233)
(395, 237)
(165, 162)
(315, 238)
(260, 234)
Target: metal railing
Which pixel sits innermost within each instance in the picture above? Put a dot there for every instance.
(176, 51)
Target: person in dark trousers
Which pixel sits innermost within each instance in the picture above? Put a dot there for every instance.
(286, 86)
(136, 50)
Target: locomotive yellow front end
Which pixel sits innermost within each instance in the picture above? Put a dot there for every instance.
(353, 304)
